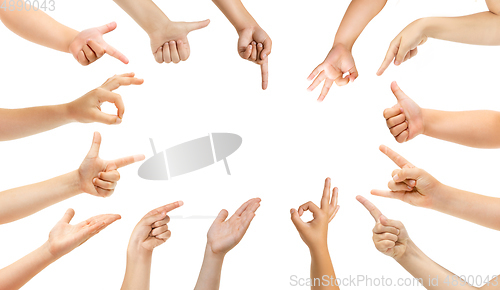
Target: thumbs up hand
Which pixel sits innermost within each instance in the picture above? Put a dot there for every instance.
(89, 45)
(405, 119)
(99, 177)
(171, 44)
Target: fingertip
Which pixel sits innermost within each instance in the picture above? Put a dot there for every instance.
(180, 203)
(292, 211)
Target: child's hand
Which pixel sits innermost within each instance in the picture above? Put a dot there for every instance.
(255, 45)
(314, 233)
(64, 238)
(224, 234)
(404, 46)
(99, 177)
(338, 62)
(89, 46)
(152, 230)
(409, 184)
(405, 119)
(390, 237)
(87, 109)
(170, 43)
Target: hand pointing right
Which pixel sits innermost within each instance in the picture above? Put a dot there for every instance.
(99, 177)
(171, 44)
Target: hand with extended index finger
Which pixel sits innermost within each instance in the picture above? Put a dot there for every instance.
(152, 230)
(87, 109)
(225, 234)
(255, 45)
(99, 177)
(89, 45)
(405, 119)
(389, 236)
(338, 62)
(409, 183)
(404, 46)
(314, 233)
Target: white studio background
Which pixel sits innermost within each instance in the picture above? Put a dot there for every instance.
(290, 143)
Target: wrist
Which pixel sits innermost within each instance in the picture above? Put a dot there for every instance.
(157, 28)
(246, 24)
(73, 183)
(411, 253)
(347, 45)
(426, 26)
(210, 254)
(440, 198)
(318, 248)
(46, 254)
(66, 112)
(136, 251)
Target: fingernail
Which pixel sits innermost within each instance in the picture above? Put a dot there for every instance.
(99, 175)
(292, 211)
(259, 45)
(118, 121)
(397, 63)
(181, 203)
(395, 177)
(263, 55)
(401, 109)
(409, 188)
(94, 180)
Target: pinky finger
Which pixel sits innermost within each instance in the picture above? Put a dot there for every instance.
(403, 137)
(82, 59)
(165, 236)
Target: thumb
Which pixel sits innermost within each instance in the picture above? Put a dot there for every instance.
(107, 27)
(222, 216)
(197, 25)
(297, 221)
(96, 144)
(68, 216)
(400, 95)
(353, 74)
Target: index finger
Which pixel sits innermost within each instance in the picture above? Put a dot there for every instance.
(395, 157)
(121, 80)
(166, 208)
(374, 211)
(116, 54)
(391, 54)
(265, 73)
(121, 162)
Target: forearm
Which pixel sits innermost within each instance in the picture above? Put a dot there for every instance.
(145, 13)
(428, 272)
(481, 28)
(138, 272)
(19, 123)
(210, 273)
(20, 202)
(16, 275)
(236, 13)
(358, 15)
(322, 269)
(470, 128)
(38, 27)
(476, 208)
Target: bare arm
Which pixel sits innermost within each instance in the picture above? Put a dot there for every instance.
(480, 129)
(358, 15)
(40, 28)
